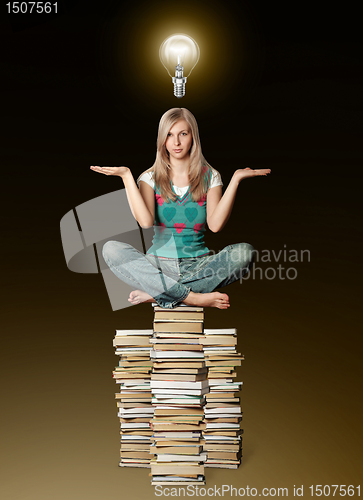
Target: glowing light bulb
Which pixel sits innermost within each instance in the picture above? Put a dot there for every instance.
(179, 53)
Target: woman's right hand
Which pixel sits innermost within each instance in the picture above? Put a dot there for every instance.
(120, 171)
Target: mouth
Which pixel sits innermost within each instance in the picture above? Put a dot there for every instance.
(177, 150)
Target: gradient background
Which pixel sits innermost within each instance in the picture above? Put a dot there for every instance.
(278, 86)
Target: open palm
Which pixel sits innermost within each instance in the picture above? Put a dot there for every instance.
(110, 170)
(244, 173)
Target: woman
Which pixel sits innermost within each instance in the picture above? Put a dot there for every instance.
(178, 195)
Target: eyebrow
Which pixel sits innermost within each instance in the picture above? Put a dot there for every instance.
(184, 130)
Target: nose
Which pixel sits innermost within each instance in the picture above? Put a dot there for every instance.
(176, 140)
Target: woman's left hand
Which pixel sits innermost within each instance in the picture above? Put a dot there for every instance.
(244, 173)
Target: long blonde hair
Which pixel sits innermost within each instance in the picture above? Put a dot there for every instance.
(162, 166)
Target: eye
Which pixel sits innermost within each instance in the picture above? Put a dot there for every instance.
(169, 134)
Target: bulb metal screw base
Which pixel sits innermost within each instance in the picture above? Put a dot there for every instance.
(179, 86)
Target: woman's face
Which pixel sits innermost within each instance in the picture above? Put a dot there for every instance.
(179, 140)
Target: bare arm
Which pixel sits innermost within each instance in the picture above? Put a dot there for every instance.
(141, 201)
(219, 208)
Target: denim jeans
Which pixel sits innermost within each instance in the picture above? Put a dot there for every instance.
(169, 281)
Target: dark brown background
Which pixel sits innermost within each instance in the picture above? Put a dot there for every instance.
(279, 86)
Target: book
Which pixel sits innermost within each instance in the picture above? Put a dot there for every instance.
(123, 333)
(154, 384)
(220, 331)
(170, 410)
(178, 347)
(186, 401)
(178, 364)
(168, 393)
(177, 335)
(177, 468)
(181, 449)
(202, 457)
(182, 340)
(181, 327)
(186, 371)
(176, 483)
(131, 341)
(177, 377)
(135, 454)
(179, 315)
(225, 340)
(176, 354)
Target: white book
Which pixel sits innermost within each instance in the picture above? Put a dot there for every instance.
(135, 415)
(164, 407)
(162, 340)
(176, 354)
(133, 425)
(180, 402)
(223, 425)
(177, 478)
(220, 387)
(132, 411)
(170, 396)
(166, 384)
(208, 437)
(132, 349)
(142, 393)
(180, 434)
(176, 483)
(220, 331)
(171, 393)
(126, 437)
(129, 380)
(224, 415)
(219, 348)
(179, 395)
(135, 384)
(220, 381)
(124, 333)
(232, 409)
(170, 457)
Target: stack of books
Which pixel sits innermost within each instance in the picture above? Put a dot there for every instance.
(179, 385)
(134, 399)
(223, 440)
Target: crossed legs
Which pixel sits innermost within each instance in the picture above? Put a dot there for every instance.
(169, 282)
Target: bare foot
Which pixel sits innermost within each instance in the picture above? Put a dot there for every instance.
(138, 296)
(213, 299)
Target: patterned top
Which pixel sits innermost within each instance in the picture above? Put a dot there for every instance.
(179, 226)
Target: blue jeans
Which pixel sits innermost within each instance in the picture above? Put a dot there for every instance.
(169, 281)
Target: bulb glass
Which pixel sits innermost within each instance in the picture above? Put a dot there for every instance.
(180, 50)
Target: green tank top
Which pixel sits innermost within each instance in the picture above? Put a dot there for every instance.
(179, 226)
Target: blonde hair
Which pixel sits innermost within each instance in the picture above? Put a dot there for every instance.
(162, 166)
